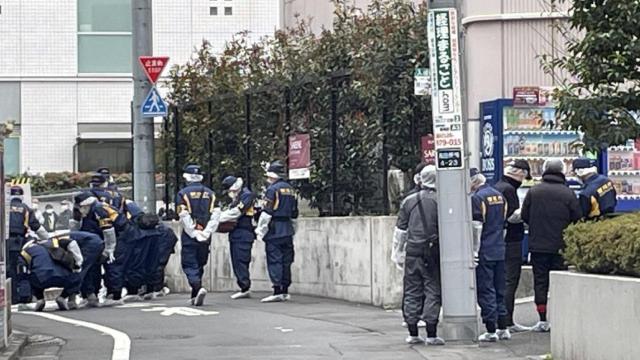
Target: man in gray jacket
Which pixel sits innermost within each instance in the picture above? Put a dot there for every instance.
(415, 244)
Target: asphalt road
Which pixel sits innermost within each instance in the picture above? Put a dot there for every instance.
(305, 328)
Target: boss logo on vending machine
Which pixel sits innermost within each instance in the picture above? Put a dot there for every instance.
(488, 162)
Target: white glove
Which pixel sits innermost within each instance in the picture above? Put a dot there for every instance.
(109, 244)
(74, 249)
(477, 235)
(476, 258)
(213, 223)
(42, 233)
(398, 252)
(229, 215)
(263, 225)
(188, 225)
(77, 270)
(202, 236)
(516, 217)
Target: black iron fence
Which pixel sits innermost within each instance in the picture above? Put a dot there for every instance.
(355, 139)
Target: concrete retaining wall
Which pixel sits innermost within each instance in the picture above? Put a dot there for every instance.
(340, 258)
(343, 258)
(594, 317)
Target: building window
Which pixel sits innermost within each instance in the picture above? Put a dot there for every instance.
(228, 10)
(114, 154)
(104, 36)
(213, 10)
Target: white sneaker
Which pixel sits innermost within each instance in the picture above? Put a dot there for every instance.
(92, 301)
(72, 302)
(287, 297)
(488, 337)
(241, 295)
(165, 291)
(503, 334)
(131, 298)
(273, 298)
(434, 341)
(412, 340)
(40, 304)
(62, 303)
(542, 326)
(199, 300)
(517, 328)
(404, 324)
(109, 302)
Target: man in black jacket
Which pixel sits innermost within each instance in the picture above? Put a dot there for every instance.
(548, 209)
(514, 174)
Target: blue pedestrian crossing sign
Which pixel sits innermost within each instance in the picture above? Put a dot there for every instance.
(154, 105)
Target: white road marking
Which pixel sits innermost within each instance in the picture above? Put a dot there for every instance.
(121, 341)
(137, 305)
(180, 310)
(284, 330)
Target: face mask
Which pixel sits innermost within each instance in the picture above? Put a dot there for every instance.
(35, 206)
(49, 211)
(64, 207)
(84, 210)
(271, 181)
(233, 195)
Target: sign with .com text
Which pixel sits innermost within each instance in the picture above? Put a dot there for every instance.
(446, 98)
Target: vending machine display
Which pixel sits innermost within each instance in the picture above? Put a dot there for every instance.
(622, 165)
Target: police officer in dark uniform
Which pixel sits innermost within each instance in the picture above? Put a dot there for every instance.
(41, 271)
(196, 208)
(98, 218)
(21, 220)
(91, 247)
(241, 236)
(103, 191)
(276, 227)
(489, 210)
(597, 196)
(514, 174)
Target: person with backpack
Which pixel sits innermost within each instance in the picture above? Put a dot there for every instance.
(416, 247)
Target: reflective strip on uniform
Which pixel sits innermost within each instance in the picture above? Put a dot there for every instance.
(213, 203)
(55, 242)
(187, 203)
(277, 201)
(26, 256)
(595, 207)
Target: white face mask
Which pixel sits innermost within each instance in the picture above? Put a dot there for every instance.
(271, 181)
(84, 210)
(35, 206)
(49, 211)
(233, 195)
(64, 207)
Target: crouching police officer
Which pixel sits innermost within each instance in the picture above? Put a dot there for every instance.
(489, 210)
(597, 196)
(276, 227)
(241, 236)
(91, 247)
(196, 208)
(52, 263)
(21, 220)
(416, 235)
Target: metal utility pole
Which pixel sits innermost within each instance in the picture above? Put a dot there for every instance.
(144, 192)
(450, 119)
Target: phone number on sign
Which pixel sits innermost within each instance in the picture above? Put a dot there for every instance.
(448, 142)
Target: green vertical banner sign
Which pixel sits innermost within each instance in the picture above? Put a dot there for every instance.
(446, 96)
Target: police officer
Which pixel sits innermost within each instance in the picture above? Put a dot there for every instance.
(165, 243)
(91, 247)
(416, 235)
(489, 210)
(99, 186)
(196, 208)
(240, 215)
(514, 174)
(597, 196)
(21, 220)
(39, 269)
(276, 227)
(98, 218)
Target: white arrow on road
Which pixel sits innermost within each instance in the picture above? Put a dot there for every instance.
(180, 310)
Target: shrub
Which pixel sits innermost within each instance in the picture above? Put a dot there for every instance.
(610, 246)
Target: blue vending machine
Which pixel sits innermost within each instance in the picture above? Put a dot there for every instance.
(531, 133)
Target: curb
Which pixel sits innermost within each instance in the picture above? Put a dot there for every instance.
(17, 341)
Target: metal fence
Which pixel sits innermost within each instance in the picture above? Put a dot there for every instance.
(235, 133)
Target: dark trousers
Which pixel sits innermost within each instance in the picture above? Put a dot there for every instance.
(422, 297)
(12, 273)
(116, 271)
(166, 244)
(543, 264)
(490, 278)
(195, 256)
(92, 279)
(513, 270)
(280, 256)
(240, 260)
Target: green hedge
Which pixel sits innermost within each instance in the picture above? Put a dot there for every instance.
(610, 246)
(62, 181)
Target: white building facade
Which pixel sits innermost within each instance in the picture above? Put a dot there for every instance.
(65, 71)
